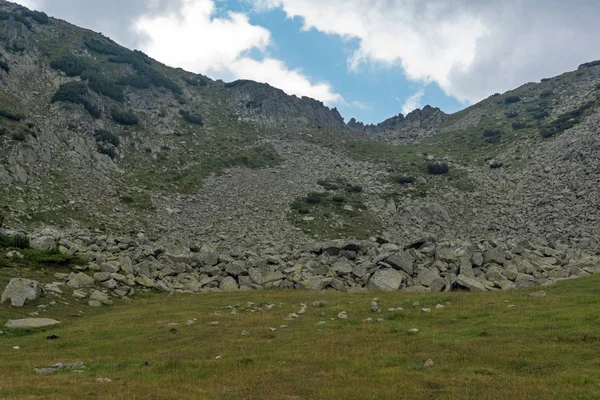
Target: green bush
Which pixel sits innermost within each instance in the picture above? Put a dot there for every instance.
(108, 150)
(137, 81)
(102, 47)
(50, 258)
(512, 99)
(196, 81)
(519, 125)
(512, 114)
(338, 199)
(37, 16)
(191, 118)
(17, 242)
(22, 19)
(541, 114)
(107, 137)
(328, 185)
(124, 117)
(491, 133)
(598, 86)
(438, 168)
(565, 121)
(77, 93)
(4, 15)
(315, 198)
(405, 180)
(4, 66)
(546, 93)
(71, 65)
(590, 64)
(18, 136)
(102, 85)
(11, 115)
(354, 189)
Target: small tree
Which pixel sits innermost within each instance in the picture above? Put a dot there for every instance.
(438, 168)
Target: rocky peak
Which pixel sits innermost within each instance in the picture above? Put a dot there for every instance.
(263, 105)
(417, 124)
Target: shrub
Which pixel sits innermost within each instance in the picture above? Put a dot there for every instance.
(137, 81)
(4, 15)
(598, 86)
(18, 136)
(107, 137)
(545, 79)
(315, 198)
(16, 47)
(4, 66)
(328, 185)
(22, 19)
(103, 47)
(565, 121)
(512, 114)
(546, 93)
(124, 117)
(108, 150)
(197, 81)
(11, 115)
(101, 85)
(354, 189)
(519, 125)
(541, 114)
(37, 16)
(406, 180)
(18, 242)
(77, 93)
(70, 65)
(590, 64)
(438, 168)
(512, 99)
(338, 199)
(191, 118)
(491, 133)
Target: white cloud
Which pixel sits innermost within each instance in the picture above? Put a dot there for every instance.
(470, 49)
(413, 102)
(195, 39)
(29, 3)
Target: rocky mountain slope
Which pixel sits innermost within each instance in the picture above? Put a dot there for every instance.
(96, 136)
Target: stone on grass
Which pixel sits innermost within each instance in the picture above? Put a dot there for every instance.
(386, 279)
(45, 371)
(228, 284)
(30, 323)
(19, 291)
(429, 363)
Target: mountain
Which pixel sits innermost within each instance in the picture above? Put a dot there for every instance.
(95, 135)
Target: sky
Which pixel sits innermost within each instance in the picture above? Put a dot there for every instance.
(372, 59)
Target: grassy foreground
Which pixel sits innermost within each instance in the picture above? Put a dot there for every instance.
(505, 345)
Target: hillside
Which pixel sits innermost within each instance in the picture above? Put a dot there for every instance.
(97, 136)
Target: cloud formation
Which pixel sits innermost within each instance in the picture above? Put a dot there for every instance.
(470, 49)
(197, 40)
(413, 102)
(190, 34)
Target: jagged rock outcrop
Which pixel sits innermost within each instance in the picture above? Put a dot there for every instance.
(417, 125)
(268, 107)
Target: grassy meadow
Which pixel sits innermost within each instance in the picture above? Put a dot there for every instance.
(502, 345)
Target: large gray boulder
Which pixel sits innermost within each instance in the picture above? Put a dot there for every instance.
(315, 283)
(18, 291)
(470, 283)
(386, 279)
(401, 261)
(228, 284)
(81, 280)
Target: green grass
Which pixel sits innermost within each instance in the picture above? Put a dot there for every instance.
(482, 348)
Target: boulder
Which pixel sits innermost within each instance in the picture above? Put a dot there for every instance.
(43, 243)
(228, 284)
(470, 283)
(315, 283)
(19, 291)
(386, 279)
(81, 280)
(401, 261)
(30, 323)
(143, 280)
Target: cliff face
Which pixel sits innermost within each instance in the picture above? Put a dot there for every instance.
(417, 125)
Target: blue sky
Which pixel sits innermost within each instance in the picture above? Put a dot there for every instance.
(372, 59)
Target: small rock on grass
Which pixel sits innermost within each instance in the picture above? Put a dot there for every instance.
(103, 380)
(429, 363)
(425, 310)
(413, 330)
(245, 333)
(541, 293)
(342, 315)
(45, 371)
(439, 306)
